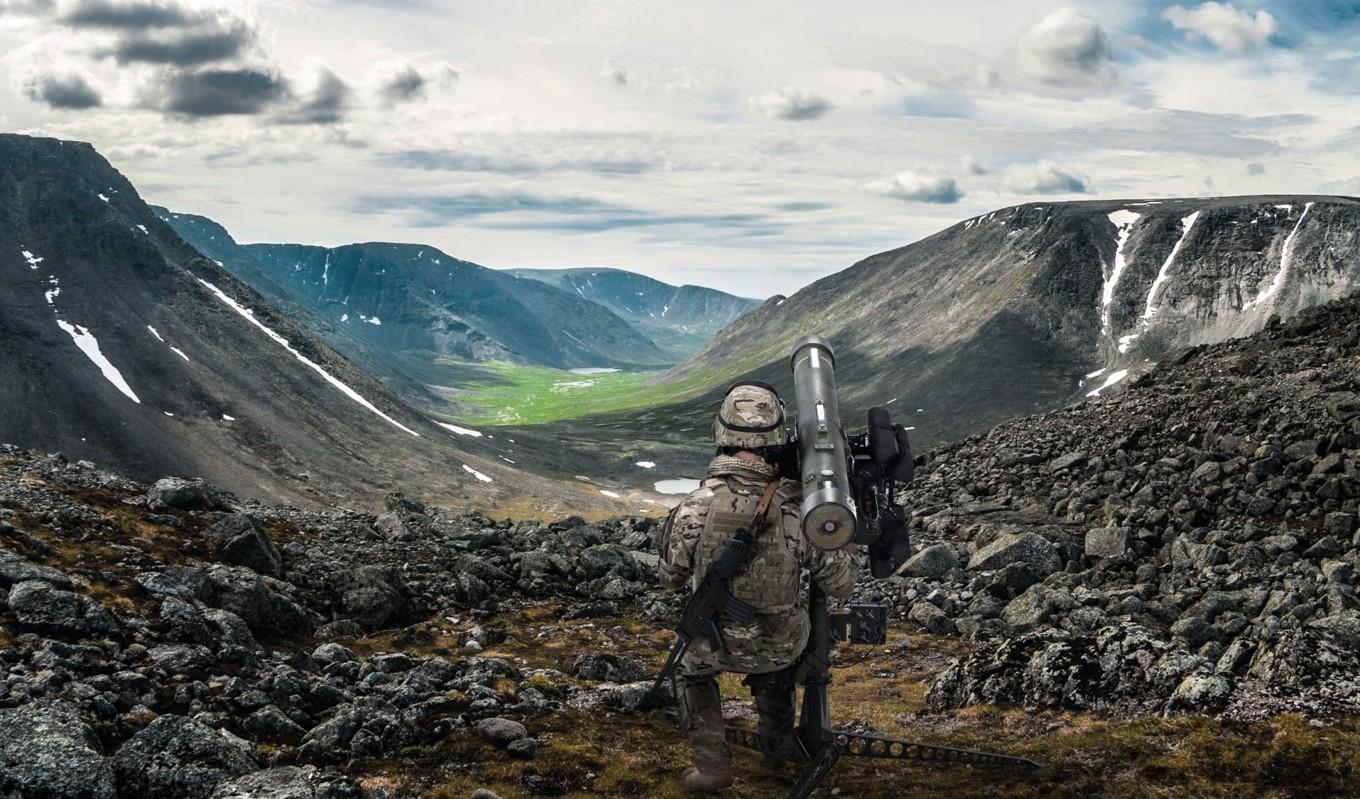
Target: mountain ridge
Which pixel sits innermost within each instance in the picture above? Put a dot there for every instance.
(128, 347)
(679, 318)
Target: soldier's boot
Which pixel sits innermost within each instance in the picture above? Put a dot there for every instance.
(774, 697)
(701, 717)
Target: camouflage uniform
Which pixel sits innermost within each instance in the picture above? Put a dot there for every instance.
(770, 645)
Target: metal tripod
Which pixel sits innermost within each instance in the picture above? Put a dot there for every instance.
(823, 746)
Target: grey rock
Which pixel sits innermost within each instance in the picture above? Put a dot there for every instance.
(177, 493)
(1201, 693)
(1341, 525)
(931, 618)
(1036, 605)
(607, 668)
(1343, 406)
(932, 562)
(273, 726)
(47, 752)
(1031, 550)
(175, 757)
(241, 540)
(501, 732)
(1107, 542)
(635, 697)
(15, 569)
(288, 782)
(41, 606)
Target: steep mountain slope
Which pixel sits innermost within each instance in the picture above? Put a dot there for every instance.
(416, 303)
(1027, 308)
(678, 318)
(405, 375)
(122, 344)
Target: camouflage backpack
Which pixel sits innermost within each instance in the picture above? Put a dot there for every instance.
(770, 580)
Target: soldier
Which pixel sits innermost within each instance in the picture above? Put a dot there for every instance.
(742, 478)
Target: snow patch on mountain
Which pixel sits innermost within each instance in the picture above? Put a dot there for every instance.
(249, 315)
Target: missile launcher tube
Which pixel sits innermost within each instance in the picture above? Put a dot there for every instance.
(828, 514)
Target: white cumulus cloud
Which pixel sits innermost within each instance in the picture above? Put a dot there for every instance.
(790, 102)
(1228, 28)
(1043, 178)
(1066, 48)
(918, 187)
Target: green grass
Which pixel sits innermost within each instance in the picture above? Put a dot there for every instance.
(501, 393)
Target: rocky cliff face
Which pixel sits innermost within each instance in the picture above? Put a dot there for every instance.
(122, 344)
(680, 319)
(1031, 307)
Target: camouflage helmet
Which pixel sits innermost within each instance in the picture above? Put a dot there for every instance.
(751, 416)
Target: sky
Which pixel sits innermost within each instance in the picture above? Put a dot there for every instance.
(748, 145)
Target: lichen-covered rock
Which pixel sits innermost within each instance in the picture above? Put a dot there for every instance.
(44, 607)
(1031, 550)
(240, 540)
(48, 752)
(175, 757)
(288, 782)
(178, 493)
(932, 562)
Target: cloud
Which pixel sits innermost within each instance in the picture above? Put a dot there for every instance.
(516, 163)
(1256, 168)
(27, 7)
(1350, 187)
(970, 165)
(1227, 28)
(323, 100)
(790, 103)
(186, 49)
(571, 214)
(218, 92)
(141, 15)
(917, 187)
(614, 72)
(1066, 48)
(68, 91)
(402, 82)
(1043, 178)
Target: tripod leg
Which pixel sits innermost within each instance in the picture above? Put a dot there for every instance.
(816, 772)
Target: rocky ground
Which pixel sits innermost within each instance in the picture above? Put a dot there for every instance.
(1153, 592)
(1187, 545)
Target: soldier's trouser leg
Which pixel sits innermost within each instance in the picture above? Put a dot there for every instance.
(774, 697)
(701, 718)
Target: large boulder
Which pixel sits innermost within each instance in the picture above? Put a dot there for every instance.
(47, 752)
(374, 596)
(241, 540)
(41, 606)
(175, 757)
(255, 600)
(1036, 553)
(933, 562)
(177, 493)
